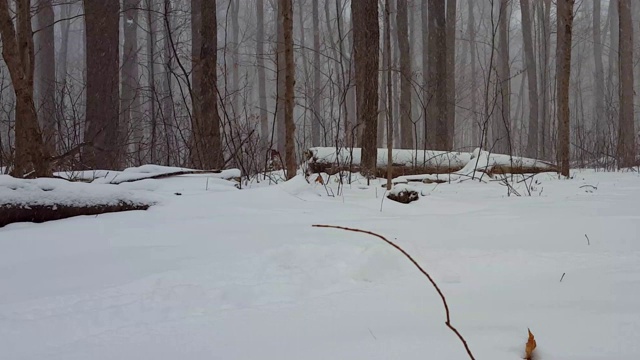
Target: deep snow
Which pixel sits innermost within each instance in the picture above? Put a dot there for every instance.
(222, 273)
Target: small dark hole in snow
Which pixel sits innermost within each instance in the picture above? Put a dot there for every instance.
(178, 193)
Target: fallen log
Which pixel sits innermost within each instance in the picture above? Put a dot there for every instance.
(46, 199)
(14, 213)
(405, 162)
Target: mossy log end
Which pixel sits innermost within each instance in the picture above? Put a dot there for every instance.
(14, 213)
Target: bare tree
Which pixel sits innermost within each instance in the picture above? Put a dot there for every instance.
(387, 45)
(598, 97)
(129, 101)
(406, 125)
(262, 91)
(451, 70)
(532, 79)
(437, 52)
(31, 156)
(102, 23)
(316, 120)
(207, 152)
(366, 46)
(502, 119)
(626, 132)
(563, 73)
(286, 9)
(45, 69)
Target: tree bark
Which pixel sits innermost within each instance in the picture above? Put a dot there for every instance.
(129, 80)
(286, 9)
(451, 71)
(366, 38)
(563, 73)
(31, 155)
(475, 131)
(387, 45)
(262, 91)
(437, 49)
(45, 68)
(626, 129)
(598, 111)
(167, 101)
(406, 125)
(208, 143)
(102, 23)
(502, 118)
(532, 79)
(316, 119)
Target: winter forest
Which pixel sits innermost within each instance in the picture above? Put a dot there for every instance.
(319, 179)
(235, 83)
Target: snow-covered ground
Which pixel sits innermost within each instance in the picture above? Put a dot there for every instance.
(222, 273)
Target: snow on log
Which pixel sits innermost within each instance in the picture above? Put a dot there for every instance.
(145, 172)
(403, 193)
(487, 163)
(405, 162)
(45, 199)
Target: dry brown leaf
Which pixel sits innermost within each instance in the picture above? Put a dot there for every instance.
(529, 347)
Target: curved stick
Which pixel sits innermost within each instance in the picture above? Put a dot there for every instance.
(444, 300)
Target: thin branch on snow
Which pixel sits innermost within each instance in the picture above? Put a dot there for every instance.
(444, 300)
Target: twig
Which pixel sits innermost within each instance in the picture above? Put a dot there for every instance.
(444, 300)
(562, 277)
(588, 241)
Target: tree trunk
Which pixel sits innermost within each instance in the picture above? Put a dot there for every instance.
(281, 82)
(286, 10)
(102, 23)
(502, 118)
(235, 59)
(545, 84)
(262, 91)
(45, 68)
(475, 131)
(208, 143)
(366, 38)
(31, 156)
(138, 126)
(598, 111)
(451, 71)
(532, 79)
(387, 45)
(406, 125)
(626, 129)
(316, 119)
(129, 79)
(167, 101)
(196, 75)
(563, 72)
(428, 138)
(437, 49)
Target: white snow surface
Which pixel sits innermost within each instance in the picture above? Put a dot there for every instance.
(222, 273)
(51, 191)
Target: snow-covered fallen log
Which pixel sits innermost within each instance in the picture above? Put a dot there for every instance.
(483, 162)
(419, 165)
(44, 199)
(405, 162)
(145, 172)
